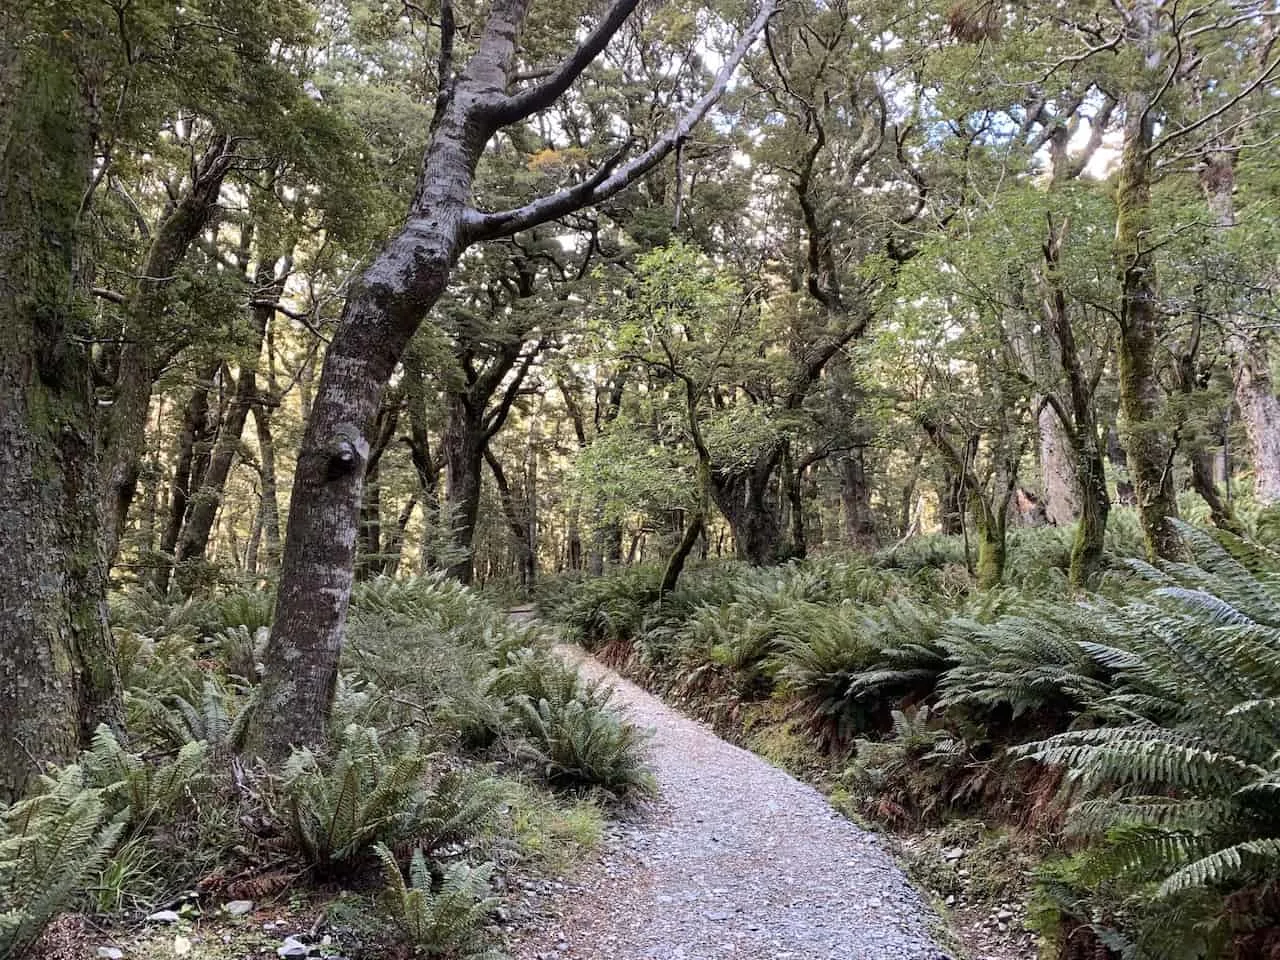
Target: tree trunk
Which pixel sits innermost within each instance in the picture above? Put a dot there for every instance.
(518, 522)
(1142, 404)
(205, 503)
(141, 359)
(270, 498)
(855, 498)
(744, 496)
(793, 481)
(573, 534)
(1255, 396)
(58, 676)
(395, 548)
(194, 419)
(951, 503)
(1078, 424)
(1200, 453)
(1255, 393)
(1059, 483)
(462, 448)
(676, 562)
(990, 526)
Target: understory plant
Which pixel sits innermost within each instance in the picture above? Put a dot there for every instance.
(51, 846)
(439, 915)
(1178, 793)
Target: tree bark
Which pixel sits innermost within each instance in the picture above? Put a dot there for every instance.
(1059, 482)
(1078, 423)
(990, 511)
(270, 505)
(855, 498)
(1255, 392)
(793, 488)
(462, 448)
(745, 496)
(1142, 404)
(58, 676)
(518, 522)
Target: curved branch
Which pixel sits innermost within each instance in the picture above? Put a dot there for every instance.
(542, 95)
(604, 184)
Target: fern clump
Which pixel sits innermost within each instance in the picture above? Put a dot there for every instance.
(578, 742)
(917, 775)
(51, 846)
(1179, 793)
(144, 791)
(444, 917)
(338, 806)
(1034, 664)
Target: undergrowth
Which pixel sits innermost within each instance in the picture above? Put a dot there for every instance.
(461, 748)
(1133, 733)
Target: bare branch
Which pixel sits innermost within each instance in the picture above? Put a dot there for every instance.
(111, 295)
(479, 226)
(540, 96)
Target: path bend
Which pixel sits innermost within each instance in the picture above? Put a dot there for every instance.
(736, 859)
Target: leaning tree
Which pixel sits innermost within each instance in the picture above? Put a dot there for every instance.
(388, 303)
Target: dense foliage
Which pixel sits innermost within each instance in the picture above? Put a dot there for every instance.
(1148, 709)
(951, 322)
(405, 778)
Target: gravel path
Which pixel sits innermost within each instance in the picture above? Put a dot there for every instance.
(736, 859)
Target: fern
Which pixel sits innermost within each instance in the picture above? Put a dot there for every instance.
(576, 742)
(214, 717)
(1181, 790)
(339, 806)
(441, 919)
(1031, 663)
(143, 790)
(50, 846)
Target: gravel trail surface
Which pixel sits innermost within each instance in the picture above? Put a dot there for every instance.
(735, 859)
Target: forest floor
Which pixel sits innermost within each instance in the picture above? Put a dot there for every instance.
(735, 859)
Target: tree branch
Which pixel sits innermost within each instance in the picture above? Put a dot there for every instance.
(542, 95)
(601, 186)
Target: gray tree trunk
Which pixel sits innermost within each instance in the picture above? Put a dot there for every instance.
(1060, 484)
(1255, 392)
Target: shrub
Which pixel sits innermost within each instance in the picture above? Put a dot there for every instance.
(919, 774)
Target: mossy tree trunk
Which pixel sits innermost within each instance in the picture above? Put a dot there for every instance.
(987, 504)
(1143, 427)
(58, 675)
(1077, 418)
(148, 348)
